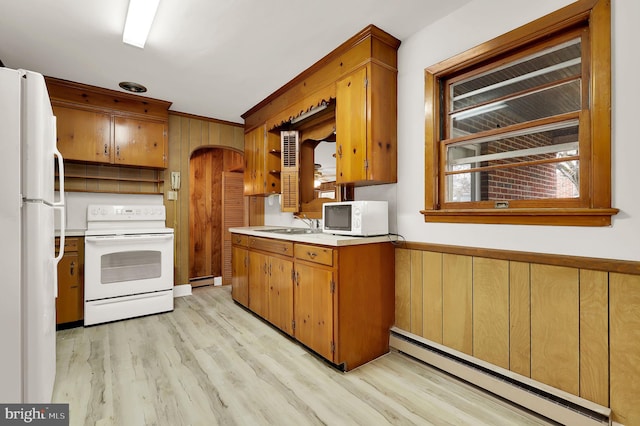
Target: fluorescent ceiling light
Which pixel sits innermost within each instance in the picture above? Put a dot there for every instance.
(309, 113)
(139, 19)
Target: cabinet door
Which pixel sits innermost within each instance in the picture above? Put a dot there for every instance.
(258, 281)
(313, 307)
(70, 301)
(351, 127)
(83, 135)
(140, 142)
(240, 275)
(281, 294)
(254, 162)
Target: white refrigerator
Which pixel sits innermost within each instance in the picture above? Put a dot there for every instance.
(28, 265)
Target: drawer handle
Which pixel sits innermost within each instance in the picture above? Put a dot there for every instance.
(312, 254)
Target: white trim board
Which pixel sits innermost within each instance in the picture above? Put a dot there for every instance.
(181, 290)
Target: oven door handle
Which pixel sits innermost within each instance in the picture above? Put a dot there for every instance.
(133, 239)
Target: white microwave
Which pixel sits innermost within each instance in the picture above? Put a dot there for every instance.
(356, 218)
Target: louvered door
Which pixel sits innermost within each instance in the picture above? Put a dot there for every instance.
(289, 173)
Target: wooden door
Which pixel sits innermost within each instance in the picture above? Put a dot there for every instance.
(240, 274)
(313, 307)
(83, 135)
(351, 127)
(140, 142)
(281, 294)
(232, 216)
(258, 281)
(205, 216)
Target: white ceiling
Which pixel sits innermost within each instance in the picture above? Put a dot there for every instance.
(214, 58)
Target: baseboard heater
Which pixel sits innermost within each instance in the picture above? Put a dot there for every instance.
(545, 400)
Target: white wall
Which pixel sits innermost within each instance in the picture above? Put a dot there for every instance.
(475, 23)
(77, 202)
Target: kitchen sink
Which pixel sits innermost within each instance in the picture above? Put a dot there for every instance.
(292, 231)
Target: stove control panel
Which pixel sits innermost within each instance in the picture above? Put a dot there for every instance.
(116, 213)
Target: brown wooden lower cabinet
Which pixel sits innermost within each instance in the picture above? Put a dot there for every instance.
(240, 270)
(337, 301)
(70, 301)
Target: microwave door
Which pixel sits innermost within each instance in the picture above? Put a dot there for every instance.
(338, 218)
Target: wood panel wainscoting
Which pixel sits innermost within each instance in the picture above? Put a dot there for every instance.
(565, 324)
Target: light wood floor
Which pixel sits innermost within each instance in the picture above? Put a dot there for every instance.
(211, 362)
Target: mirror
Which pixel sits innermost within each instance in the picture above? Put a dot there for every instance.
(324, 179)
(317, 176)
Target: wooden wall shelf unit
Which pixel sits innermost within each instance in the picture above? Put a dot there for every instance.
(359, 81)
(103, 178)
(97, 126)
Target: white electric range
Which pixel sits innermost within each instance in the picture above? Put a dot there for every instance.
(128, 262)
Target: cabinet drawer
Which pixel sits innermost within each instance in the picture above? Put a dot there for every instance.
(70, 244)
(315, 254)
(239, 240)
(270, 245)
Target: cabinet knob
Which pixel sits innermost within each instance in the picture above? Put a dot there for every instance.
(106, 150)
(72, 268)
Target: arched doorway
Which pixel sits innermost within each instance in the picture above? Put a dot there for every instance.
(215, 204)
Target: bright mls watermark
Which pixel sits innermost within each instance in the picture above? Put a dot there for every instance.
(34, 414)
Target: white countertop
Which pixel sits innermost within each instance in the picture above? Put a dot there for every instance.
(311, 238)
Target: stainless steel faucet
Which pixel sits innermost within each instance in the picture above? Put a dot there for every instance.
(313, 224)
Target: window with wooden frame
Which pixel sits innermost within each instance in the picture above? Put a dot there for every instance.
(518, 129)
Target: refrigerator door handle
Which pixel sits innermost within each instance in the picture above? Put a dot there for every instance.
(60, 205)
(57, 153)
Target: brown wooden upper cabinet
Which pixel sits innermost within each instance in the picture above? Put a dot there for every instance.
(96, 125)
(366, 129)
(360, 79)
(140, 142)
(83, 135)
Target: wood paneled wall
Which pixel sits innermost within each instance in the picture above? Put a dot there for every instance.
(187, 134)
(576, 328)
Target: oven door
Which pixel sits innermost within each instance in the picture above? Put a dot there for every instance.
(121, 265)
